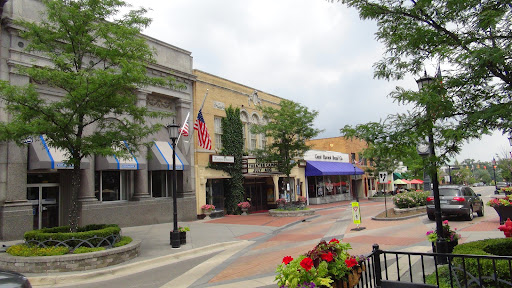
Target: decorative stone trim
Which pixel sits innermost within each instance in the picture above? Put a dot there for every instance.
(403, 210)
(70, 262)
(291, 213)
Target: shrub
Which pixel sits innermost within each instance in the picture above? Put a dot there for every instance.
(499, 247)
(124, 241)
(25, 250)
(410, 199)
(81, 250)
(62, 234)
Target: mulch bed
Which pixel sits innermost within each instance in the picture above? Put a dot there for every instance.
(392, 214)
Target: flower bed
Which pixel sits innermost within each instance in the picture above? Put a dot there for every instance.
(411, 199)
(290, 213)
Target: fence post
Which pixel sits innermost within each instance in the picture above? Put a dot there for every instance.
(376, 262)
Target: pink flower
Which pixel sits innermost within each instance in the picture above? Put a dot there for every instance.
(306, 263)
(287, 259)
(445, 222)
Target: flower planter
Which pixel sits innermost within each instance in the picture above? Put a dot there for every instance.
(352, 279)
(449, 249)
(183, 237)
(207, 214)
(244, 211)
(504, 212)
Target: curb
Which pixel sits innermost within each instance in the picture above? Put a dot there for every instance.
(131, 268)
(398, 218)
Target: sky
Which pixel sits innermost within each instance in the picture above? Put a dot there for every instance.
(314, 52)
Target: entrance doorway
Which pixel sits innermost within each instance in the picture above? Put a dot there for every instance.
(45, 204)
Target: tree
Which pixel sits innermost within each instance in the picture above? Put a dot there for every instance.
(232, 144)
(288, 126)
(471, 38)
(98, 65)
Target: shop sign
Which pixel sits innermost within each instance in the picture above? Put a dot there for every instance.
(222, 159)
(250, 165)
(330, 156)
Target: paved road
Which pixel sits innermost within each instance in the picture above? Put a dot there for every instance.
(253, 263)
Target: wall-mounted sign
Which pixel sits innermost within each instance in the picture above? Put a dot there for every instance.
(330, 156)
(222, 159)
(250, 165)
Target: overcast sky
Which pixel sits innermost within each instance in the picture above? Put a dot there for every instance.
(314, 52)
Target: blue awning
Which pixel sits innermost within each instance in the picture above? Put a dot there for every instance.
(322, 168)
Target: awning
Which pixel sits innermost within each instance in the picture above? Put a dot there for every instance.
(130, 162)
(161, 157)
(41, 156)
(322, 168)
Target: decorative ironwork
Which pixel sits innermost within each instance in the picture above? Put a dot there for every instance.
(73, 243)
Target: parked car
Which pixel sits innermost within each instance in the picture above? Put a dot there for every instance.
(456, 200)
(10, 279)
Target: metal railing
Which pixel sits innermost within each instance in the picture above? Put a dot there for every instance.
(73, 243)
(420, 269)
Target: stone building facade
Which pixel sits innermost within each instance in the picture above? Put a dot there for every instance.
(34, 183)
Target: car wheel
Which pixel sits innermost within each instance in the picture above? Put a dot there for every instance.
(480, 213)
(431, 217)
(470, 215)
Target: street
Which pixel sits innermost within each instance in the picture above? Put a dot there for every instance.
(257, 260)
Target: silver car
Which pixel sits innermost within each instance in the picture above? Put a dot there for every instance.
(456, 201)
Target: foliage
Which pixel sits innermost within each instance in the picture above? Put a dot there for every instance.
(125, 240)
(449, 234)
(471, 98)
(208, 207)
(82, 249)
(289, 126)
(183, 228)
(322, 265)
(62, 233)
(499, 246)
(97, 65)
(31, 250)
(411, 199)
(281, 202)
(232, 144)
(244, 205)
(497, 202)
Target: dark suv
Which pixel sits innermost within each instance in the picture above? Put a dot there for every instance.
(456, 201)
(11, 279)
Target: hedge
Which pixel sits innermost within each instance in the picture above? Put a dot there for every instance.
(62, 233)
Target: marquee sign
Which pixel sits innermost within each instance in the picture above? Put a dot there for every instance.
(250, 165)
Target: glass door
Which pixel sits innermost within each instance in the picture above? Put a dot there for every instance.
(45, 204)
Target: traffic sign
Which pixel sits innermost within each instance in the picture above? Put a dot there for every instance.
(383, 177)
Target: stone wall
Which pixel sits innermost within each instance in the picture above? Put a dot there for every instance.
(71, 262)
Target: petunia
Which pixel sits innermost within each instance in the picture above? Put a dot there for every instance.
(287, 259)
(334, 240)
(351, 262)
(306, 263)
(327, 256)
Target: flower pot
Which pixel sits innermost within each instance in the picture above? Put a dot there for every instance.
(207, 213)
(244, 211)
(449, 249)
(183, 237)
(352, 279)
(504, 212)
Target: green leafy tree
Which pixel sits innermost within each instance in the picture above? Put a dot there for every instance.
(232, 144)
(288, 126)
(98, 66)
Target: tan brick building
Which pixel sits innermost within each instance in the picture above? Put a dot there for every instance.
(263, 188)
(360, 185)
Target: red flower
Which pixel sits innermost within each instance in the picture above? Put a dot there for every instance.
(351, 262)
(334, 240)
(327, 257)
(287, 259)
(306, 263)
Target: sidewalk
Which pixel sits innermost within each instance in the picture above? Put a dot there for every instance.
(229, 233)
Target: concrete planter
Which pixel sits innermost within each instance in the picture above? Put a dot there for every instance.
(290, 213)
(404, 210)
(70, 262)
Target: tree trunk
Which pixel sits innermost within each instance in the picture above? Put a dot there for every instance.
(75, 189)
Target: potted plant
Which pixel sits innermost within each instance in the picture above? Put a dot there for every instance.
(503, 207)
(183, 234)
(451, 237)
(328, 264)
(244, 206)
(281, 202)
(207, 210)
(302, 201)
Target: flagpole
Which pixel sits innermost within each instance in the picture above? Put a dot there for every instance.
(204, 99)
(179, 136)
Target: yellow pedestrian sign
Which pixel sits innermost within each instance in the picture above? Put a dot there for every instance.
(356, 216)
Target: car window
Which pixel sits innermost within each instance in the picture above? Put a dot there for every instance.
(448, 192)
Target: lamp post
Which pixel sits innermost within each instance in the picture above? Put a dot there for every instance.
(494, 169)
(450, 168)
(441, 242)
(173, 130)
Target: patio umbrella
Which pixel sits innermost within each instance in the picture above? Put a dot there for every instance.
(398, 182)
(416, 181)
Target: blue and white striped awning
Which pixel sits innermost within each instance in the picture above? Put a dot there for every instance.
(161, 157)
(41, 156)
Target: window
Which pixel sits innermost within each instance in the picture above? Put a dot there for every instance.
(218, 133)
(263, 140)
(114, 185)
(160, 183)
(353, 158)
(254, 139)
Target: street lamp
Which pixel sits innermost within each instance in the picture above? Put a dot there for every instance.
(494, 169)
(440, 242)
(450, 168)
(173, 130)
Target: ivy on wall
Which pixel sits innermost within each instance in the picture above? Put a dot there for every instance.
(232, 145)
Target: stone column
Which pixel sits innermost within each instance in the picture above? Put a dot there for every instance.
(87, 189)
(141, 176)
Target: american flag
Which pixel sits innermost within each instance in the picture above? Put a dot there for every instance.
(204, 138)
(184, 130)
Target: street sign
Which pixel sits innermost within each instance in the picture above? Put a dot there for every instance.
(383, 177)
(356, 214)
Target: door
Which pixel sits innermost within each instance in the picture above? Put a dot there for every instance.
(45, 204)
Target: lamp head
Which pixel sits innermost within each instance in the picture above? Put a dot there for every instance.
(173, 130)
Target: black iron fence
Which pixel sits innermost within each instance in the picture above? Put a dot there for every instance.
(401, 269)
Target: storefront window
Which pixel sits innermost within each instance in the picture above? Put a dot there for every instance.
(324, 186)
(158, 184)
(114, 185)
